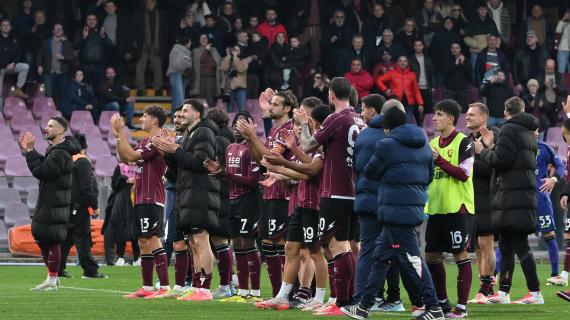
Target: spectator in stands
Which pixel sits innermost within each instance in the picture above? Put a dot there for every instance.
(308, 14)
(253, 22)
(407, 36)
(477, 32)
(440, 44)
(9, 60)
(422, 65)
(77, 95)
(529, 61)
(534, 103)
(386, 64)
(443, 7)
(93, 46)
(270, 28)
(151, 44)
(395, 13)
(388, 43)
(563, 28)
(496, 92)
(317, 87)
(118, 29)
(33, 37)
(335, 42)
(541, 26)
(553, 89)
(114, 96)
(53, 62)
(190, 27)
(502, 18)
(490, 60)
(231, 36)
(206, 70)
(457, 74)
(359, 78)
(226, 16)
(281, 73)
(298, 55)
(201, 9)
(258, 50)
(179, 66)
(402, 84)
(358, 52)
(459, 19)
(214, 34)
(235, 83)
(221, 119)
(372, 30)
(24, 18)
(428, 21)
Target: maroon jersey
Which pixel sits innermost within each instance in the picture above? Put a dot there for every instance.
(242, 171)
(293, 189)
(276, 191)
(338, 134)
(309, 190)
(149, 186)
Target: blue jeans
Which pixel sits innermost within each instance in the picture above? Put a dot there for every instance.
(237, 97)
(177, 87)
(126, 108)
(495, 122)
(54, 84)
(170, 199)
(409, 113)
(562, 61)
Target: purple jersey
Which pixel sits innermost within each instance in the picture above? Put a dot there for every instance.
(309, 190)
(239, 164)
(276, 191)
(338, 134)
(149, 186)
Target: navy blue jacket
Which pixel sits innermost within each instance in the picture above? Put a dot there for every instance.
(366, 189)
(403, 165)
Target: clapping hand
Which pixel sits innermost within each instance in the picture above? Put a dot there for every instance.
(165, 144)
(566, 105)
(117, 124)
(488, 137)
(212, 166)
(288, 138)
(246, 128)
(275, 159)
(265, 99)
(27, 141)
(270, 179)
(478, 146)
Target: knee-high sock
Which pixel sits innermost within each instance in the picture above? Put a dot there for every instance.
(273, 267)
(343, 272)
(280, 249)
(147, 269)
(464, 277)
(52, 258)
(330, 265)
(254, 261)
(567, 257)
(437, 271)
(225, 264)
(161, 266)
(351, 284)
(181, 267)
(553, 254)
(242, 269)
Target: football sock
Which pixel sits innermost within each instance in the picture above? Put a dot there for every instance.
(280, 250)
(225, 264)
(273, 267)
(464, 277)
(330, 265)
(553, 254)
(190, 270)
(343, 272)
(567, 257)
(304, 293)
(254, 262)
(147, 269)
(242, 266)
(52, 258)
(205, 281)
(437, 271)
(486, 287)
(352, 282)
(196, 279)
(161, 267)
(181, 267)
(284, 291)
(320, 295)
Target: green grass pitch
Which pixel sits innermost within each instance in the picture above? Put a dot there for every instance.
(101, 299)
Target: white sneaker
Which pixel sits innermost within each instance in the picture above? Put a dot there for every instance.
(479, 299)
(418, 311)
(499, 297)
(45, 286)
(137, 263)
(120, 262)
(531, 298)
(557, 281)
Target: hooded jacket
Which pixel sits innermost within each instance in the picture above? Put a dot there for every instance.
(401, 82)
(84, 189)
(513, 193)
(402, 164)
(197, 193)
(366, 190)
(54, 172)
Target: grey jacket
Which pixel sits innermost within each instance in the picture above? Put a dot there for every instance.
(179, 59)
(196, 55)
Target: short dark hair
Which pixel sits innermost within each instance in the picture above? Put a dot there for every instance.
(156, 112)
(182, 39)
(80, 137)
(353, 98)
(219, 116)
(450, 107)
(393, 118)
(514, 105)
(209, 16)
(242, 113)
(311, 103)
(374, 101)
(341, 88)
(289, 100)
(62, 122)
(481, 106)
(321, 112)
(197, 106)
(179, 108)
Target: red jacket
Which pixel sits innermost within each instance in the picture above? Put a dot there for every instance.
(401, 82)
(361, 81)
(270, 32)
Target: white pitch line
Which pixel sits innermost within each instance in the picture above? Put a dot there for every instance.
(99, 290)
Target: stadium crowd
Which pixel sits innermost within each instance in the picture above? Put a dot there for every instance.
(345, 174)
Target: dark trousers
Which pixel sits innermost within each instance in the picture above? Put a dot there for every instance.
(511, 243)
(460, 96)
(369, 231)
(400, 243)
(170, 231)
(79, 234)
(110, 243)
(94, 74)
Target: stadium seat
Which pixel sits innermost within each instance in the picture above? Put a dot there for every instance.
(111, 138)
(554, 134)
(97, 149)
(2, 121)
(16, 214)
(32, 199)
(17, 167)
(32, 128)
(9, 149)
(8, 196)
(13, 106)
(24, 184)
(3, 235)
(562, 149)
(45, 118)
(43, 106)
(80, 119)
(91, 133)
(105, 166)
(5, 132)
(105, 121)
(24, 118)
(428, 124)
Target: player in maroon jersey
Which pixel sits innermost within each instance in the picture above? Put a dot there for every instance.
(337, 134)
(149, 198)
(273, 217)
(242, 173)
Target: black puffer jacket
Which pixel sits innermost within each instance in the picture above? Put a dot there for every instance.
(54, 172)
(513, 188)
(84, 189)
(482, 173)
(197, 193)
(120, 221)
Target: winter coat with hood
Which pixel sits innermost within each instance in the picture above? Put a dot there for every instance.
(482, 174)
(366, 190)
(197, 193)
(513, 188)
(84, 189)
(403, 176)
(120, 221)
(401, 82)
(54, 172)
